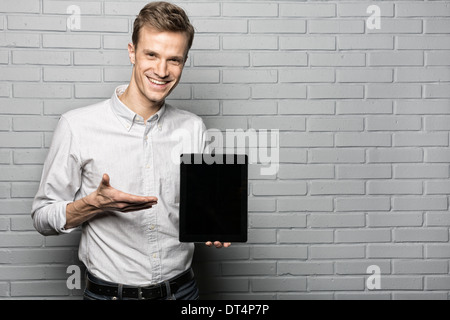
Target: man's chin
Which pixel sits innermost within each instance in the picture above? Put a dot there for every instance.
(156, 100)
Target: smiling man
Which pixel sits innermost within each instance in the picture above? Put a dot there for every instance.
(108, 172)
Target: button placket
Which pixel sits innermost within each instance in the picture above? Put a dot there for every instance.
(149, 188)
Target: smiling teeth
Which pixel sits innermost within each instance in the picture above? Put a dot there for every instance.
(156, 82)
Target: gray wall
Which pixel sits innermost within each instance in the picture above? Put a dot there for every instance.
(364, 119)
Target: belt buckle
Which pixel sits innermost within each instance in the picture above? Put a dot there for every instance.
(140, 293)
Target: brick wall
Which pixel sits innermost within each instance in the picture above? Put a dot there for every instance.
(364, 119)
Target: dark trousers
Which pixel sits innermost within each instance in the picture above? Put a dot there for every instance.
(188, 291)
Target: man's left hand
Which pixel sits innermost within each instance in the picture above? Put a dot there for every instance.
(218, 244)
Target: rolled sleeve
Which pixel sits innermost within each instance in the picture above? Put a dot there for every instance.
(51, 219)
(60, 181)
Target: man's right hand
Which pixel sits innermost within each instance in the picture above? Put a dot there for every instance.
(105, 198)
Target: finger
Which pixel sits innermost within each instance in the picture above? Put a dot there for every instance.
(127, 207)
(209, 243)
(135, 208)
(130, 198)
(218, 244)
(105, 180)
(227, 244)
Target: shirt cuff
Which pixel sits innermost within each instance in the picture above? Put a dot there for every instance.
(61, 220)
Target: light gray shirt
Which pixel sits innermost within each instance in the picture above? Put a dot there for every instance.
(134, 248)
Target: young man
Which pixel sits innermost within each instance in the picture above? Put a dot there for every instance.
(108, 170)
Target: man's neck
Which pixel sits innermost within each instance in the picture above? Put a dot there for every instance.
(137, 103)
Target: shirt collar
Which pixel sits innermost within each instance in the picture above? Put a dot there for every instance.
(126, 116)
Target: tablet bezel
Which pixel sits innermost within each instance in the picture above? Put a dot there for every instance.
(185, 235)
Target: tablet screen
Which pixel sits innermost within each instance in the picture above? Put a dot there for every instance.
(213, 198)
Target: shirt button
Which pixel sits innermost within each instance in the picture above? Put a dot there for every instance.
(146, 138)
(154, 255)
(147, 166)
(152, 227)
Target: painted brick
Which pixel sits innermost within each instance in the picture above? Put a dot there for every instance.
(421, 10)
(336, 187)
(71, 41)
(341, 155)
(420, 139)
(362, 235)
(307, 75)
(101, 58)
(364, 75)
(36, 23)
(341, 220)
(60, 7)
(274, 26)
(250, 43)
(335, 124)
(335, 283)
(355, 9)
(221, 59)
(386, 155)
(41, 57)
(363, 204)
(337, 59)
(279, 59)
(26, 6)
(394, 187)
(337, 251)
(250, 10)
(307, 43)
(308, 10)
(420, 203)
(17, 40)
(418, 42)
(437, 58)
(305, 268)
(399, 58)
(397, 251)
(372, 42)
(278, 220)
(309, 204)
(301, 171)
(363, 147)
(379, 219)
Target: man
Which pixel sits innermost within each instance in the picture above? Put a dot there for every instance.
(109, 170)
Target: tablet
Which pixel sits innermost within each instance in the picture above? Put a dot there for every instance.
(213, 198)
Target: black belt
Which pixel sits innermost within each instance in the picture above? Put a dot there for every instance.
(156, 291)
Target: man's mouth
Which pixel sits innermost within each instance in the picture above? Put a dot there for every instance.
(158, 82)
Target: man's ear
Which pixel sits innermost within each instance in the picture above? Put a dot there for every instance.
(132, 53)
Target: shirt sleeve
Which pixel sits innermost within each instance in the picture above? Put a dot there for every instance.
(60, 181)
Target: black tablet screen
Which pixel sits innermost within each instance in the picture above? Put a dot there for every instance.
(213, 202)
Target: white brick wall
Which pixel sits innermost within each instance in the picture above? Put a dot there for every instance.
(364, 134)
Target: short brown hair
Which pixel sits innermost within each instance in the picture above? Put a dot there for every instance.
(163, 16)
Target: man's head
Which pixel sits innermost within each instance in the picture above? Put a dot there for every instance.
(163, 16)
(161, 40)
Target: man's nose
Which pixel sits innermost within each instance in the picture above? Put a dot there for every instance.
(161, 69)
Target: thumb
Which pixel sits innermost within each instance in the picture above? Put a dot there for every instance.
(105, 181)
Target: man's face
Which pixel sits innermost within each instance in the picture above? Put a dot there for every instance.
(158, 63)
